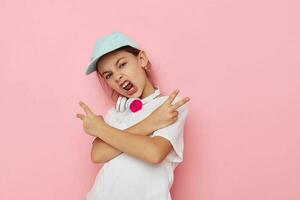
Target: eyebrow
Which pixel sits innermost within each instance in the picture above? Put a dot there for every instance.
(115, 64)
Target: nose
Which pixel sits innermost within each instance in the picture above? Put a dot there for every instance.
(119, 78)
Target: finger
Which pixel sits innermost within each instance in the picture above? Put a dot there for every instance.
(85, 108)
(81, 116)
(181, 102)
(175, 118)
(172, 96)
(175, 113)
(96, 140)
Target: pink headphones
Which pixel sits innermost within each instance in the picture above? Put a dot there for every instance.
(134, 104)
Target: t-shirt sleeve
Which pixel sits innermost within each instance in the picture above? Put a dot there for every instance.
(108, 116)
(174, 133)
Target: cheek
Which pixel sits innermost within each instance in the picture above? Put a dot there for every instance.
(112, 85)
(140, 81)
(135, 72)
(131, 72)
(115, 87)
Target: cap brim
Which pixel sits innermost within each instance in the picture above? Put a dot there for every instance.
(91, 67)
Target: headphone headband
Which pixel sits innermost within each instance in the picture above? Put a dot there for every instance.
(134, 104)
(151, 96)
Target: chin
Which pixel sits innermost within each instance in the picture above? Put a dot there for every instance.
(135, 95)
(138, 94)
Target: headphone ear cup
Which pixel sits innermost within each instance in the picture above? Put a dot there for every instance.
(136, 106)
(120, 103)
(128, 102)
(123, 104)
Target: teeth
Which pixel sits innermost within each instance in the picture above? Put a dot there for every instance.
(126, 83)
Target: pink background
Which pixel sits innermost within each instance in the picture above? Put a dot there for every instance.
(238, 61)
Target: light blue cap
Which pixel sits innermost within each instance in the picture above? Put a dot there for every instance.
(107, 44)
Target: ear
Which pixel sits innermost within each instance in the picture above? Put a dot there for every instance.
(143, 59)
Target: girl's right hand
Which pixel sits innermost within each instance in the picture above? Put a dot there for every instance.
(166, 113)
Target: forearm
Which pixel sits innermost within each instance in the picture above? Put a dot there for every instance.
(102, 152)
(140, 146)
(141, 128)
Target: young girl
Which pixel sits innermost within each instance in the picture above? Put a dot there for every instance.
(140, 139)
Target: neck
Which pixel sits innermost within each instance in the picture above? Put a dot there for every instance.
(148, 90)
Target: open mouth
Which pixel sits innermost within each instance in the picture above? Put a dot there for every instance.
(128, 87)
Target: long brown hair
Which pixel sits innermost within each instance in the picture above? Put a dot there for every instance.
(134, 51)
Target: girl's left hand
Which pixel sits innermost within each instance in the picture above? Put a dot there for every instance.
(91, 121)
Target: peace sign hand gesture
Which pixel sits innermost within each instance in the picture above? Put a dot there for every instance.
(166, 113)
(91, 121)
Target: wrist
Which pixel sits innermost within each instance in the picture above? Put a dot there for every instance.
(99, 130)
(149, 125)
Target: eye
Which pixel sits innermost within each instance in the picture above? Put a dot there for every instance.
(107, 76)
(123, 64)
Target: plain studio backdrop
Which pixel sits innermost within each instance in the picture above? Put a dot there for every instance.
(237, 60)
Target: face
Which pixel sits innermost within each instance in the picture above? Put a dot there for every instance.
(124, 72)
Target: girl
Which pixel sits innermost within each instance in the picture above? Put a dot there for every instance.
(140, 139)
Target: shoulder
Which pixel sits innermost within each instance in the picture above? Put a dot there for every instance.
(111, 109)
(109, 114)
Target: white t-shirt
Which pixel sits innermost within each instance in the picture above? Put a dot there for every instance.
(126, 177)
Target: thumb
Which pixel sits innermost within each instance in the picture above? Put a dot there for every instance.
(81, 116)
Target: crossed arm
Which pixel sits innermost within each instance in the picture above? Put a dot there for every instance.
(134, 140)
